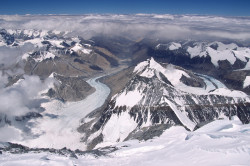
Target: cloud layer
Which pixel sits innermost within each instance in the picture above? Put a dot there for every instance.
(20, 98)
(134, 26)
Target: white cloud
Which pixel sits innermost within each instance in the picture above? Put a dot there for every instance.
(9, 133)
(11, 55)
(228, 35)
(18, 99)
(154, 26)
(3, 80)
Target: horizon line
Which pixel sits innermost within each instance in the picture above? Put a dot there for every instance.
(82, 14)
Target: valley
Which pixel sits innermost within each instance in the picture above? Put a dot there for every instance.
(124, 95)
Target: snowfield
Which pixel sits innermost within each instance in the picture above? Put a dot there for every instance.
(79, 47)
(222, 142)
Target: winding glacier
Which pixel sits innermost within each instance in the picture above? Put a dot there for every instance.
(60, 130)
(211, 83)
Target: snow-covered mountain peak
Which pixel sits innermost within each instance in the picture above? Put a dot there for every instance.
(173, 75)
(148, 66)
(79, 48)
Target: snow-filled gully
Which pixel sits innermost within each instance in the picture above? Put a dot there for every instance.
(61, 131)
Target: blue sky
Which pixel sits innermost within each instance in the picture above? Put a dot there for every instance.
(207, 7)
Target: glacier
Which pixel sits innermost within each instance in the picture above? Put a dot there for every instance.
(61, 120)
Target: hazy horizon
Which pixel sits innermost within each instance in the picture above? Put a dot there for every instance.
(78, 7)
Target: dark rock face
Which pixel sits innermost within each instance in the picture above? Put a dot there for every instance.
(70, 88)
(194, 82)
(147, 133)
(79, 60)
(236, 78)
(13, 79)
(95, 67)
(95, 141)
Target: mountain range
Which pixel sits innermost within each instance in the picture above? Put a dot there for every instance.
(96, 96)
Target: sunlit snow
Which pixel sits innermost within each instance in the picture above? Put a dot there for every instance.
(221, 142)
(246, 82)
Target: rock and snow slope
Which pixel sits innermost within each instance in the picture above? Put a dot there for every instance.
(226, 61)
(159, 96)
(217, 51)
(44, 52)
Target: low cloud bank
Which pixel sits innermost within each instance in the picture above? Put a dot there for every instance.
(134, 26)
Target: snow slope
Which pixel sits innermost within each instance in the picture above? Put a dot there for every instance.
(174, 46)
(225, 142)
(221, 142)
(153, 68)
(79, 47)
(171, 46)
(118, 128)
(246, 82)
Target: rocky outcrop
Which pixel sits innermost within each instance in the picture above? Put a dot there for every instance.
(20, 149)
(6, 37)
(70, 88)
(193, 81)
(18, 121)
